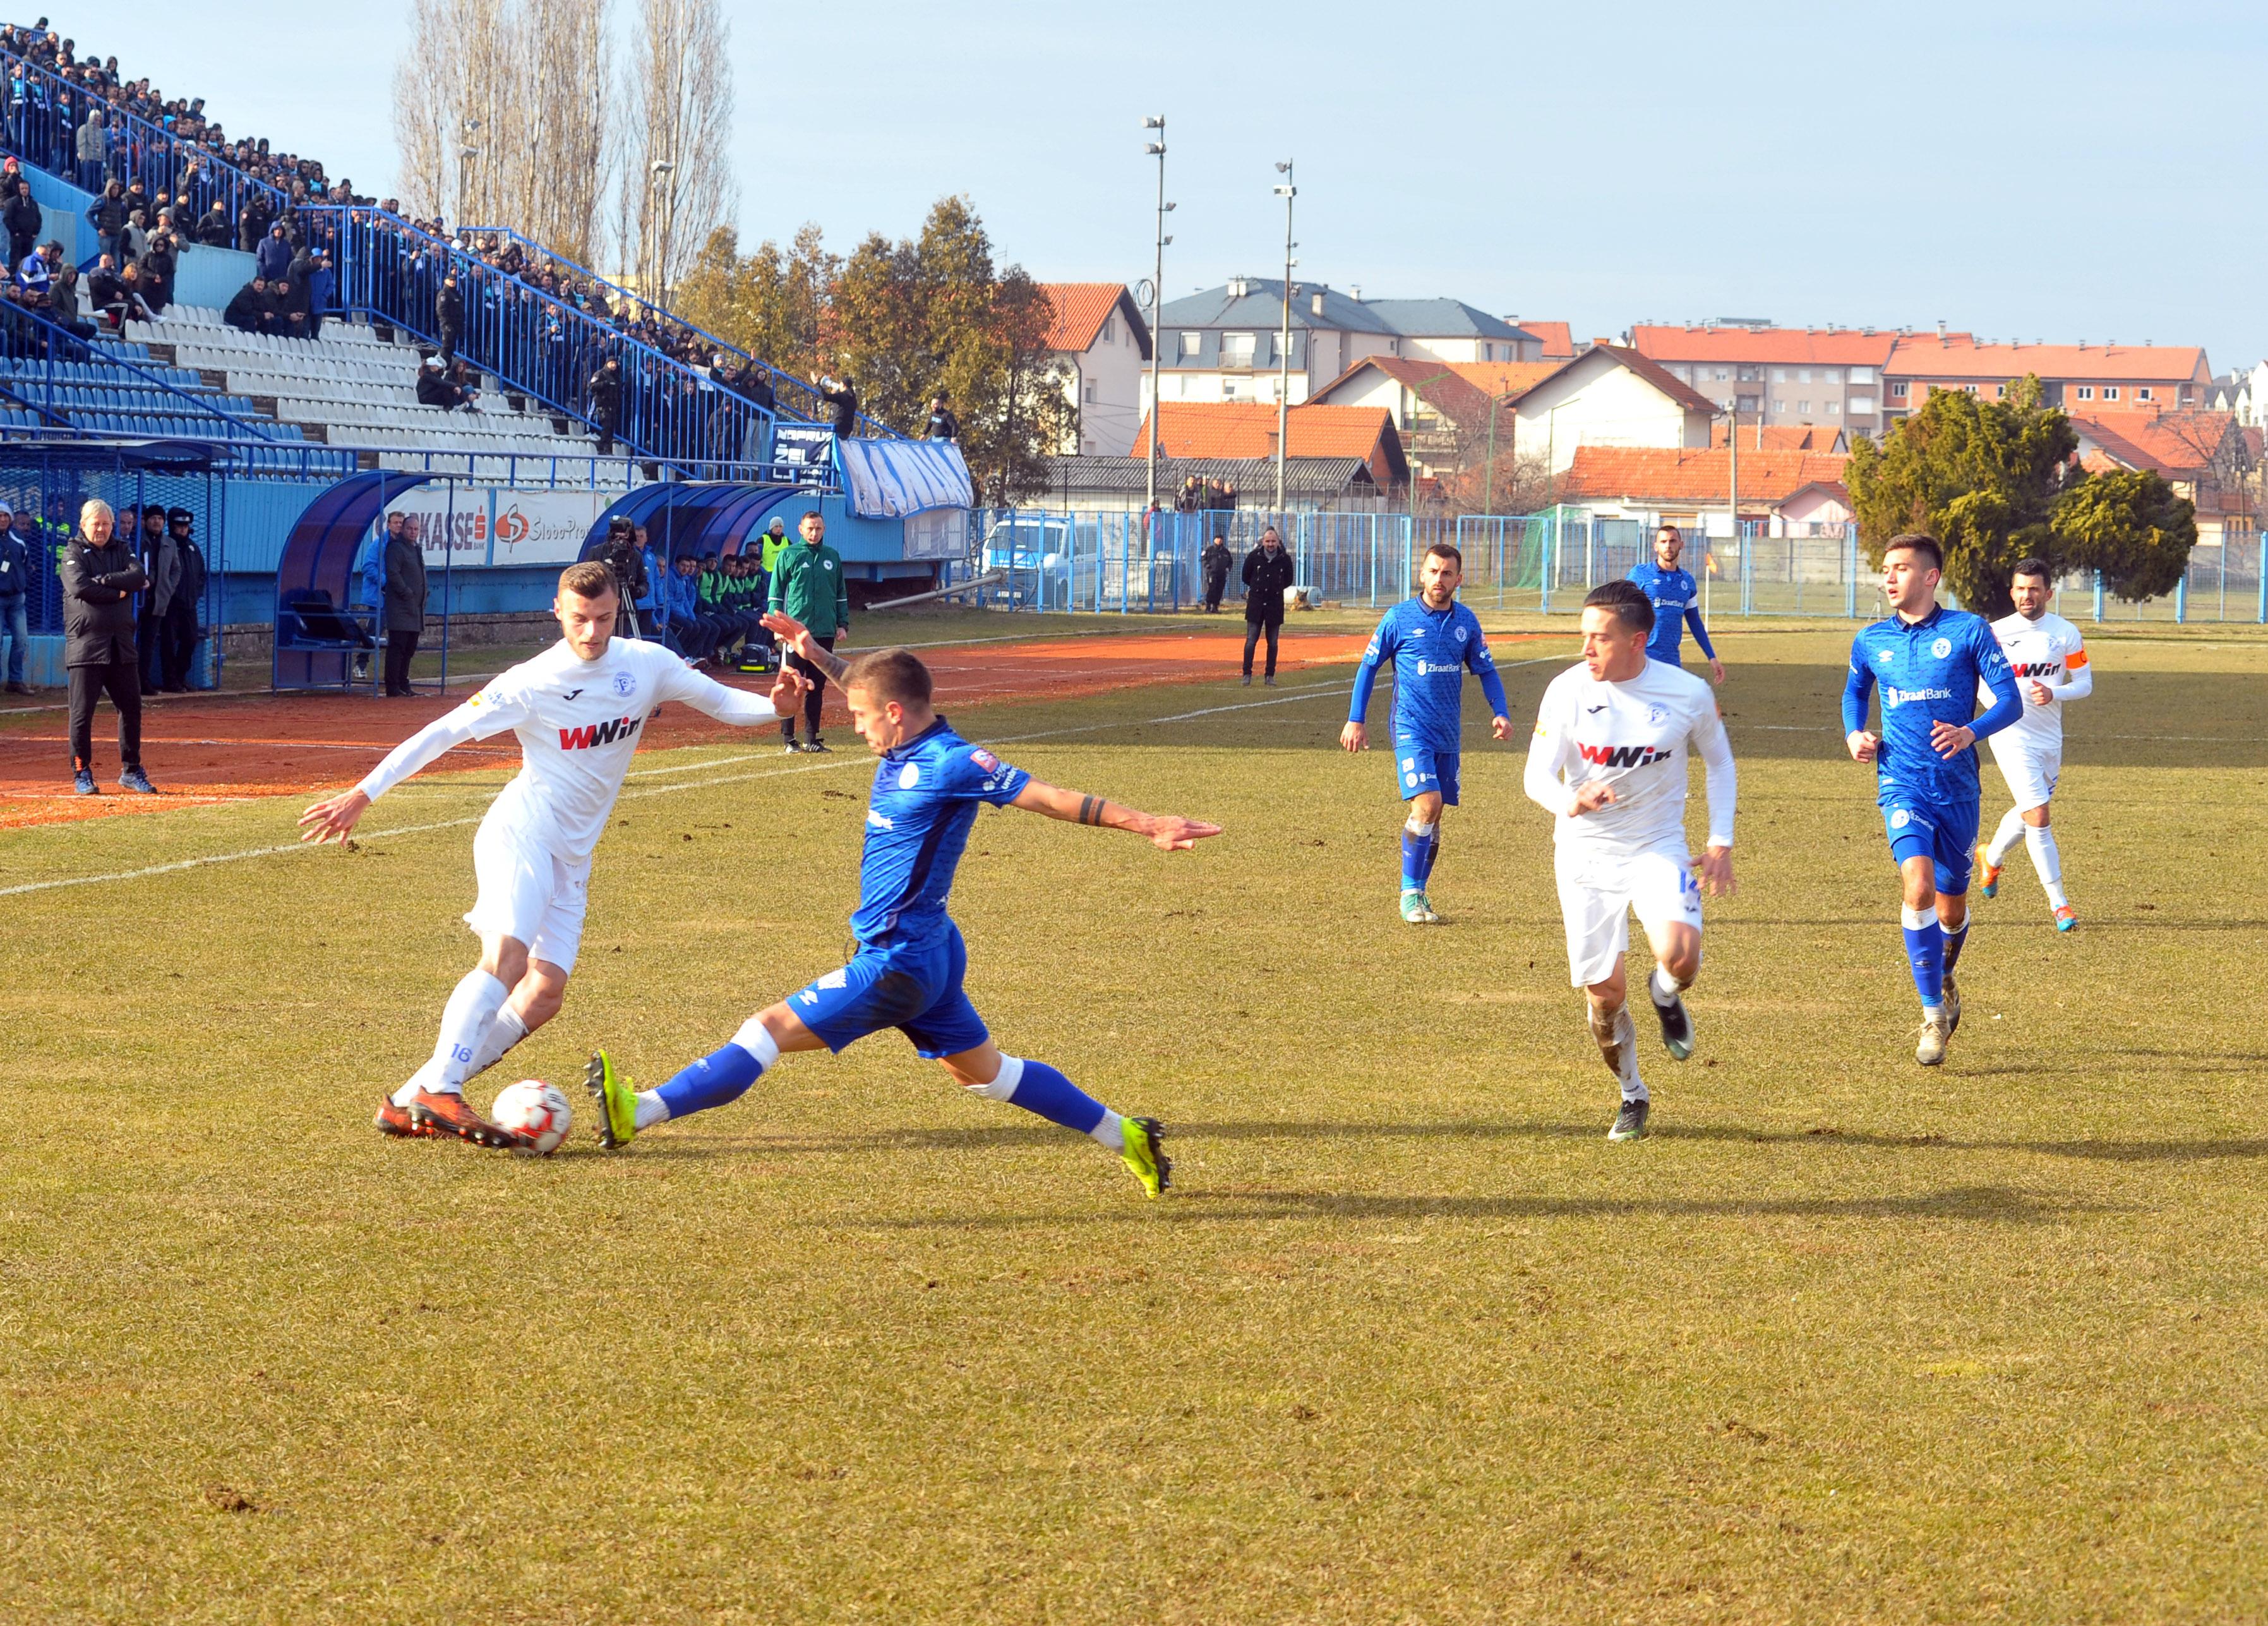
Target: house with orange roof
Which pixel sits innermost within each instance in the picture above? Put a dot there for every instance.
(1763, 437)
(1827, 376)
(1246, 429)
(1441, 408)
(2204, 455)
(1794, 493)
(1103, 344)
(2079, 378)
(1608, 396)
(1555, 340)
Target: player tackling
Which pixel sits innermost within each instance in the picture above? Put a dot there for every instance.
(1932, 664)
(2049, 661)
(578, 709)
(1608, 759)
(1431, 639)
(907, 972)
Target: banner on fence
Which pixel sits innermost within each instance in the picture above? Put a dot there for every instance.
(481, 527)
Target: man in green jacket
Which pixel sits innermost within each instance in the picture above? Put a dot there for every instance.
(808, 584)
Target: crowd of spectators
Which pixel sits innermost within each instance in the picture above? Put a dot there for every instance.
(167, 177)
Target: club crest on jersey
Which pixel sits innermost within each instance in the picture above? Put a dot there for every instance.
(593, 734)
(1621, 756)
(625, 685)
(1899, 819)
(1460, 635)
(1941, 648)
(1657, 714)
(910, 776)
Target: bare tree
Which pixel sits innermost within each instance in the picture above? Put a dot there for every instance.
(676, 182)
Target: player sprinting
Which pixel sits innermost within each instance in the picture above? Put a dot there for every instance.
(1432, 639)
(1676, 600)
(2049, 660)
(578, 709)
(1932, 665)
(907, 972)
(1609, 759)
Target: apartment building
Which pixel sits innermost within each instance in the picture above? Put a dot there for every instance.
(2079, 378)
(1827, 376)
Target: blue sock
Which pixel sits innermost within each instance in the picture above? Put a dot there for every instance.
(1954, 940)
(713, 1081)
(1924, 953)
(1417, 856)
(1042, 1089)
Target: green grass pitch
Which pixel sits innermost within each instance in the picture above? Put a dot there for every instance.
(1845, 1341)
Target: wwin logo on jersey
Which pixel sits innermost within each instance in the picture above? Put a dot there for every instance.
(1621, 756)
(593, 734)
(2035, 669)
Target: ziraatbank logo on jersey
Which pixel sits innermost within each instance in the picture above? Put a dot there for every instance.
(593, 734)
(1621, 755)
(1900, 697)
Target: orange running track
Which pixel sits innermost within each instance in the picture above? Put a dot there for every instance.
(203, 749)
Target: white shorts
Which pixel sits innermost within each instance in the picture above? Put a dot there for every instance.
(528, 892)
(1597, 892)
(2031, 771)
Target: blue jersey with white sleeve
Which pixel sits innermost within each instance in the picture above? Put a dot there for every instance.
(1431, 650)
(924, 800)
(1676, 600)
(1929, 671)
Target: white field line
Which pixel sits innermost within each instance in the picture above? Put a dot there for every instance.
(1312, 691)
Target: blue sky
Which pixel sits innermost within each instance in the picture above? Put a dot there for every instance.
(2059, 172)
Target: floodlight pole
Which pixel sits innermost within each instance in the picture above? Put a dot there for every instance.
(1156, 149)
(1287, 191)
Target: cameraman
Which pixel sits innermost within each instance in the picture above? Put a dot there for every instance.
(621, 554)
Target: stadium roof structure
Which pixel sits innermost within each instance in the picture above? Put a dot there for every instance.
(1960, 358)
(1246, 429)
(1833, 347)
(1081, 308)
(1650, 474)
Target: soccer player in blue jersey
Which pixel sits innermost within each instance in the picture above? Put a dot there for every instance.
(1929, 664)
(1676, 600)
(907, 974)
(1432, 639)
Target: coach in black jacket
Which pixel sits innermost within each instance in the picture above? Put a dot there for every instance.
(99, 580)
(1267, 572)
(405, 602)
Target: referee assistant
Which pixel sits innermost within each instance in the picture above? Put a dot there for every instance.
(808, 584)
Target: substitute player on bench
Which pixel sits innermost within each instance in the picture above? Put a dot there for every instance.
(578, 709)
(907, 974)
(2050, 663)
(1431, 639)
(1609, 759)
(1932, 664)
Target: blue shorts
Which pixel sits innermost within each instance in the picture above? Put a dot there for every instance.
(915, 988)
(1421, 768)
(1946, 835)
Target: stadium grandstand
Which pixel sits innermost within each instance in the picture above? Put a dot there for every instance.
(541, 329)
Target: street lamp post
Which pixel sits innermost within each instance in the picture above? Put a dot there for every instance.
(1287, 192)
(465, 154)
(1157, 150)
(662, 169)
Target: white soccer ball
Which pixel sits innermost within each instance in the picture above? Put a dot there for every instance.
(537, 1110)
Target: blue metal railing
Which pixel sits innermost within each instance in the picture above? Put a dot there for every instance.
(796, 397)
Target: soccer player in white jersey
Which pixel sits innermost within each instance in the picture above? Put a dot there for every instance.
(578, 709)
(1608, 759)
(2049, 660)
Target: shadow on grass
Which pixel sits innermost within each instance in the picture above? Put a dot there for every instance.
(1976, 1204)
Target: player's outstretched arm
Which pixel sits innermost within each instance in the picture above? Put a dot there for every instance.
(1165, 831)
(798, 637)
(737, 706)
(332, 818)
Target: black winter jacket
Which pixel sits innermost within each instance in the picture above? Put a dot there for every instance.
(99, 588)
(1264, 581)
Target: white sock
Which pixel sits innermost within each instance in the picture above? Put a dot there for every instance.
(651, 1109)
(2011, 831)
(2041, 842)
(1915, 919)
(1615, 1034)
(504, 1032)
(1663, 987)
(1111, 1131)
(473, 1005)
